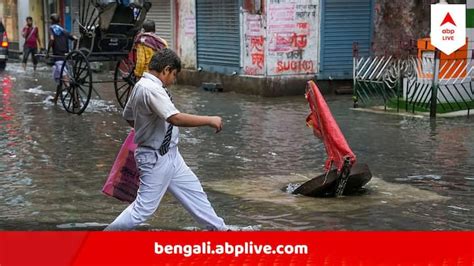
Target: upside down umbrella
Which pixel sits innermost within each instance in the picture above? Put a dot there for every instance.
(344, 177)
(325, 127)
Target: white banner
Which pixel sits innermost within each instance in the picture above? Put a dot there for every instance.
(448, 27)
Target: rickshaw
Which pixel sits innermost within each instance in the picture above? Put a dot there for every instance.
(107, 32)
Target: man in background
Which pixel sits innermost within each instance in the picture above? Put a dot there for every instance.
(145, 45)
(32, 42)
(59, 42)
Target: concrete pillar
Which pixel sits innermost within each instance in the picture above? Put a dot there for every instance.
(23, 12)
(186, 34)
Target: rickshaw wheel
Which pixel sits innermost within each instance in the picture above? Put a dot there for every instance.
(124, 80)
(76, 82)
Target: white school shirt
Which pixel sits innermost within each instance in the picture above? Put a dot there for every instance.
(149, 106)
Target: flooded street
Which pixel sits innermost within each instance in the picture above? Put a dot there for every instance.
(53, 164)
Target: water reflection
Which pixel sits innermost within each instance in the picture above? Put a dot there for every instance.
(53, 164)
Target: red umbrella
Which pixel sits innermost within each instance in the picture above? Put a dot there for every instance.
(340, 155)
(325, 127)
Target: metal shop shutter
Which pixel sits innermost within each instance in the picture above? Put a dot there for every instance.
(218, 35)
(162, 13)
(344, 22)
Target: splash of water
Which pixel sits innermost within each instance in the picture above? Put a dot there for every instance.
(291, 187)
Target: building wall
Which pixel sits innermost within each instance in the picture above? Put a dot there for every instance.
(50, 7)
(281, 40)
(292, 37)
(75, 5)
(23, 12)
(289, 47)
(398, 24)
(9, 14)
(186, 33)
(68, 14)
(36, 12)
(254, 40)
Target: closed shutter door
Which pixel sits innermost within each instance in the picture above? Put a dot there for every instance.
(218, 35)
(343, 23)
(162, 13)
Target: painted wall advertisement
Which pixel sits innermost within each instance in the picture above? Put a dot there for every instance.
(254, 44)
(285, 41)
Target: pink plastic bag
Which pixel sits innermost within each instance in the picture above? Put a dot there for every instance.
(123, 179)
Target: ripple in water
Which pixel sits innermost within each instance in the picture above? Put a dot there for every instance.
(424, 177)
(231, 228)
(38, 91)
(81, 225)
(419, 178)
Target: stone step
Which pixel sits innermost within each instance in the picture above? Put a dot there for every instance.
(210, 86)
(344, 90)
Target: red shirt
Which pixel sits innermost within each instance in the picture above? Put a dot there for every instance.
(31, 36)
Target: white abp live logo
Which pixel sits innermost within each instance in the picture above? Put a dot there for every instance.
(448, 27)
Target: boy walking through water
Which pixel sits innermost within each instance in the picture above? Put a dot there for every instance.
(151, 112)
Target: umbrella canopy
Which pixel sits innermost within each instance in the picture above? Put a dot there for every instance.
(325, 127)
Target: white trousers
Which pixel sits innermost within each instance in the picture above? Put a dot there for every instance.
(159, 174)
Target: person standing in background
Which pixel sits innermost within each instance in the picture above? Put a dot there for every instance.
(32, 42)
(145, 45)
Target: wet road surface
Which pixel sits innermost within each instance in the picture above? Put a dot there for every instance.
(53, 164)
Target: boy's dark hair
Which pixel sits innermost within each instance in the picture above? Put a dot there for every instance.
(163, 58)
(149, 26)
(29, 18)
(54, 18)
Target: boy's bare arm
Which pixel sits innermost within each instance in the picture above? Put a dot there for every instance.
(189, 120)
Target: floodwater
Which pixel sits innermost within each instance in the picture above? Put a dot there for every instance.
(53, 164)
